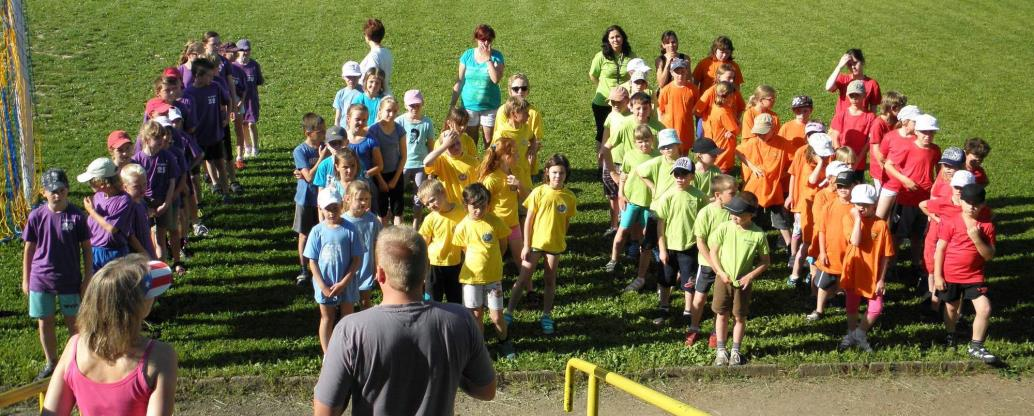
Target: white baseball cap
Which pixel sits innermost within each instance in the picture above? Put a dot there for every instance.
(908, 112)
(327, 197)
(637, 65)
(101, 167)
(962, 178)
(926, 122)
(821, 144)
(836, 167)
(350, 69)
(863, 194)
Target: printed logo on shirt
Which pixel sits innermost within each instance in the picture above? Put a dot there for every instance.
(463, 177)
(486, 237)
(414, 135)
(562, 208)
(67, 224)
(312, 160)
(212, 100)
(251, 78)
(161, 168)
(327, 254)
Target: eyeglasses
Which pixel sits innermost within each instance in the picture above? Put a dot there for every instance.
(519, 88)
(842, 186)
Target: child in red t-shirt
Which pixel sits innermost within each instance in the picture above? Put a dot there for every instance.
(892, 104)
(851, 127)
(911, 169)
(976, 151)
(904, 135)
(964, 243)
(940, 205)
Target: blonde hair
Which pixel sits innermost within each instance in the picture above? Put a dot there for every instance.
(515, 105)
(499, 155)
(386, 103)
(112, 310)
(131, 172)
(402, 254)
(643, 132)
(722, 90)
(722, 182)
(430, 187)
(845, 154)
(192, 47)
(355, 187)
(517, 76)
(761, 92)
(152, 130)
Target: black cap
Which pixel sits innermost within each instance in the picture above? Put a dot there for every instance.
(973, 194)
(704, 145)
(335, 133)
(846, 178)
(54, 179)
(739, 206)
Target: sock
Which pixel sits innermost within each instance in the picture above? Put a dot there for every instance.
(736, 346)
(694, 329)
(721, 345)
(976, 344)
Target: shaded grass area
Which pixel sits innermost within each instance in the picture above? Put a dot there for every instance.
(238, 312)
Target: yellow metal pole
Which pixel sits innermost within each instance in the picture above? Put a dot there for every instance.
(592, 407)
(41, 401)
(568, 387)
(637, 390)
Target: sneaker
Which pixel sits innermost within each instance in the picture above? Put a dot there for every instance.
(691, 338)
(735, 359)
(506, 350)
(635, 285)
(814, 316)
(982, 354)
(45, 372)
(611, 265)
(239, 164)
(712, 341)
(663, 314)
(861, 340)
(949, 340)
(609, 234)
(847, 342)
(548, 326)
(792, 281)
(200, 230)
(721, 358)
(236, 187)
(302, 279)
(254, 152)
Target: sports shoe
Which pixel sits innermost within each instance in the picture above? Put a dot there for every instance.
(301, 279)
(721, 358)
(663, 314)
(712, 341)
(691, 338)
(548, 326)
(814, 316)
(200, 230)
(506, 350)
(611, 265)
(847, 342)
(236, 187)
(45, 372)
(861, 340)
(254, 152)
(792, 280)
(609, 234)
(635, 285)
(735, 359)
(982, 354)
(949, 340)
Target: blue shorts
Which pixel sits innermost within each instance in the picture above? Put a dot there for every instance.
(104, 255)
(349, 295)
(366, 283)
(44, 305)
(634, 214)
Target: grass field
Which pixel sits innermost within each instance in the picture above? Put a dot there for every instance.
(238, 311)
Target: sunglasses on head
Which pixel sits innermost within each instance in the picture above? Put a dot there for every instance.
(519, 88)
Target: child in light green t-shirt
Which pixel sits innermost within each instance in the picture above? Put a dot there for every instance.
(740, 254)
(676, 213)
(723, 188)
(706, 154)
(635, 197)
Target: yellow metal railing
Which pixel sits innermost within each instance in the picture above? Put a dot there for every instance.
(24, 393)
(596, 373)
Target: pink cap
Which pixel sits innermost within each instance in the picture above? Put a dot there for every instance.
(413, 97)
(156, 106)
(118, 138)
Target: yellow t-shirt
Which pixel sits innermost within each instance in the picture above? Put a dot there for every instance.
(455, 173)
(521, 168)
(437, 230)
(533, 125)
(483, 257)
(504, 199)
(467, 143)
(552, 210)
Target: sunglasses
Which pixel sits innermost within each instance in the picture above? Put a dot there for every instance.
(519, 88)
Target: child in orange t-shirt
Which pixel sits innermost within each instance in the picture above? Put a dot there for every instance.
(832, 242)
(761, 102)
(726, 73)
(676, 102)
(721, 126)
(806, 173)
(870, 248)
(706, 69)
(793, 130)
(765, 163)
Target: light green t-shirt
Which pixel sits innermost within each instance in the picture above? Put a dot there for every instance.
(738, 249)
(610, 73)
(658, 171)
(623, 140)
(702, 180)
(635, 190)
(679, 209)
(708, 219)
(615, 119)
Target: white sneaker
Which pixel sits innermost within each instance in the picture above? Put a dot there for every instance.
(721, 358)
(861, 341)
(734, 358)
(635, 285)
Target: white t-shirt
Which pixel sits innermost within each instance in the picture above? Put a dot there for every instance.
(381, 58)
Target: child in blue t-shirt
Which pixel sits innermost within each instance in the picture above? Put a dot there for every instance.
(306, 156)
(357, 199)
(343, 99)
(334, 249)
(420, 136)
(373, 93)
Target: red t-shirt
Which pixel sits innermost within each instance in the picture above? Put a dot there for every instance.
(877, 129)
(873, 96)
(981, 176)
(854, 133)
(916, 163)
(963, 264)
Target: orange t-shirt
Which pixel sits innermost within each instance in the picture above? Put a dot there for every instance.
(703, 107)
(748, 121)
(770, 156)
(818, 208)
(801, 168)
(721, 119)
(793, 131)
(706, 69)
(676, 105)
(862, 262)
(830, 223)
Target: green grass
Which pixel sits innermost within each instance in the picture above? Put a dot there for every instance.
(237, 312)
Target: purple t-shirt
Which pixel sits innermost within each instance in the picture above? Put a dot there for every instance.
(141, 226)
(252, 75)
(160, 168)
(116, 211)
(186, 107)
(208, 102)
(239, 82)
(183, 140)
(58, 236)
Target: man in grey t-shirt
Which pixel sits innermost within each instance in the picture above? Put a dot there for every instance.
(405, 356)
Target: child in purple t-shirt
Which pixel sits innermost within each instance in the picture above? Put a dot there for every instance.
(134, 183)
(110, 212)
(210, 108)
(57, 241)
(252, 73)
(163, 174)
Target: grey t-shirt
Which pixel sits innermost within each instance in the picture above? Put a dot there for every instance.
(391, 146)
(403, 360)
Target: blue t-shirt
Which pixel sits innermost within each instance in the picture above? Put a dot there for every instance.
(325, 172)
(368, 226)
(342, 100)
(390, 144)
(305, 157)
(372, 104)
(479, 92)
(364, 151)
(333, 249)
(418, 134)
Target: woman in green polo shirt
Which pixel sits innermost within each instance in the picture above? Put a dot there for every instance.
(607, 71)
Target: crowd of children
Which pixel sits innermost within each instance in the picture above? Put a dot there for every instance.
(668, 159)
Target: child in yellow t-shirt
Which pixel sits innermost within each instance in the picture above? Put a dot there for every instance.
(450, 163)
(497, 173)
(479, 236)
(437, 230)
(550, 208)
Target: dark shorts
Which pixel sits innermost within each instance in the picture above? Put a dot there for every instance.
(213, 151)
(778, 217)
(957, 291)
(610, 188)
(649, 241)
(599, 115)
(825, 280)
(304, 219)
(728, 299)
(910, 221)
(170, 219)
(391, 200)
(704, 279)
(444, 283)
(679, 270)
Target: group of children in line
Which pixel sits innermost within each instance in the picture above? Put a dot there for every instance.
(146, 193)
(799, 179)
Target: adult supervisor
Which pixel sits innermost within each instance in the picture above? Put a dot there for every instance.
(477, 83)
(405, 356)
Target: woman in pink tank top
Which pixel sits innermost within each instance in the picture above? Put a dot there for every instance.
(110, 368)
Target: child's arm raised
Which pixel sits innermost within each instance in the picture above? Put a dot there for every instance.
(99, 219)
(831, 82)
(856, 230)
(448, 137)
(986, 249)
(816, 174)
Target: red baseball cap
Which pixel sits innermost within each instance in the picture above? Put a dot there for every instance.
(118, 138)
(171, 72)
(156, 105)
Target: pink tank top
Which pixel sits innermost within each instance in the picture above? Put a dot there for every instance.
(128, 396)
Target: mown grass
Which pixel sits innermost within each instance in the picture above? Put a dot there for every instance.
(237, 312)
